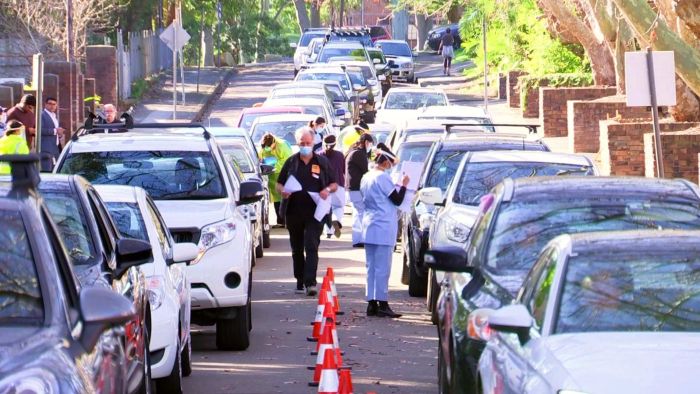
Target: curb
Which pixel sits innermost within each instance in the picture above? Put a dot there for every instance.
(205, 110)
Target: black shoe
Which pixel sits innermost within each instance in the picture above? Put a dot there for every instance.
(385, 311)
(299, 289)
(329, 236)
(311, 291)
(360, 245)
(372, 307)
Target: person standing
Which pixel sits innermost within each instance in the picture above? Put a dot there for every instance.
(447, 50)
(51, 134)
(24, 113)
(380, 223)
(318, 125)
(313, 173)
(356, 165)
(275, 151)
(337, 162)
(110, 113)
(13, 143)
(352, 133)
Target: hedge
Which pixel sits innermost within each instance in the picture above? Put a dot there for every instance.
(527, 83)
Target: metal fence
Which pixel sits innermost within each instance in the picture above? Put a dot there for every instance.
(144, 54)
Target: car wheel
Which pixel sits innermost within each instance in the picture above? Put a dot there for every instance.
(417, 285)
(146, 383)
(259, 252)
(233, 334)
(173, 382)
(433, 293)
(186, 357)
(404, 268)
(266, 239)
(442, 371)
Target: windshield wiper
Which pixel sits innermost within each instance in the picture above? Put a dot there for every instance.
(573, 171)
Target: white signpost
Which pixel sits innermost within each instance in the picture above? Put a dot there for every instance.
(175, 37)
(650, 81)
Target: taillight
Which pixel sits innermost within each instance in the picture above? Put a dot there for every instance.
(478, 326)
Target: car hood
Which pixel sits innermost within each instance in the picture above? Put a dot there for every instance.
(399, 117)
(184, 213)
(400, 59)
(653, 362)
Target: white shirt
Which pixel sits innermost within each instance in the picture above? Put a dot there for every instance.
(55, 123)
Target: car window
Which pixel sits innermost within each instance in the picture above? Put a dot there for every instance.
(357, 77)
(72, 223)
(443, 169)
(328, 53)
(396, 49)
(632, 291)
(478, 178)
(481, 225)
(283, 129)
(377, 55)
(127, 216)
(413, 100)
(413, 152)
(166, 175)
(20, 296)
(308, 36)
(164, 236)
(238, 155)
(314, 76)
(106, 236)
(545, 279)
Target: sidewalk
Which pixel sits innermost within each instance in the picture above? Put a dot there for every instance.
(158, 108)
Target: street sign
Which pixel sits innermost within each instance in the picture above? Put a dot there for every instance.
(175, 37)
(637, 78)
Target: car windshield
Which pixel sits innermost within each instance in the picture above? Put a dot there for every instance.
(443, 169)
(413, 152)
(329, 52)
(478, 178)
(336, 92)
(522, 228)
(311, 76)
(237, 155)
(631, 292)
(366, 40)
(377, 55)
(127, 216)
(308, 36)
(297, 92)
(166, 175)
(396, 49)
(413, 100)
(20, 294)
(357, 77)
(282, 129)
(72, 224)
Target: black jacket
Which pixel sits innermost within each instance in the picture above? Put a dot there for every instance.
(356, 165)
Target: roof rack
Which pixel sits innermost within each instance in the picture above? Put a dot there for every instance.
(532, 129)
(25, 175)
(126, 124)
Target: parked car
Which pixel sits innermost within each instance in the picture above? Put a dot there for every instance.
(284, 127)
(456, 114)
(382, 68)
(136, 216)
(353, 50)
(310, 106)
(400, 105)
(92, 241)
(329, 90)
(360, 35)
(55, 334)
(478, 173)
(369, 73)
(435, 36)
(185, 173)
(248, 115)
(515, 222)
(381, 131)
(363, 89)
(327, 72)
(441, 166)
(609, 312)
(378, 32)
(401, 57)
(301, 48)
(401, 134)
(312, 51)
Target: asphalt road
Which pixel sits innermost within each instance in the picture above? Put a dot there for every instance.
(387, 356)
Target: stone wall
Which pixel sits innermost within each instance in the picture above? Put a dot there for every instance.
(513, 90)
(680, 154)
(583, 117)
(622, 145)
(553, 107)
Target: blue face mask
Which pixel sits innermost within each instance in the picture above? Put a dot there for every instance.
(305, 150)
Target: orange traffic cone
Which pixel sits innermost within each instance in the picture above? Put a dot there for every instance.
(326, 288)
(318, 320)
(328, 383)
(345, 381)
(324, 343)
(329, 330)
(334, 292)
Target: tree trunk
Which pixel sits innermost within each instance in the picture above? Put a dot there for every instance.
(688, 11)
(302, 15)
(598, 51)
(341, 14)
(315, 14)
(423, 25)
(208, 47)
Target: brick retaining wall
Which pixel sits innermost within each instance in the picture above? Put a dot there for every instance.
(680, 154)
(513, 90)
(553, 108)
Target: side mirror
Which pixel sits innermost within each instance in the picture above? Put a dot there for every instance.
(376, 61)
(514, 319)
(448, 259)
(431, 196)
(382, 77)
(391, 62)
(293, 45)
(340, 112)
(185, 252)
(266, 169)
(130, 253)
(101, 309)
(250, 192)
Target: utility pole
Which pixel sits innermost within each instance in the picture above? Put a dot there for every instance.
(486, 66)
(70, 57)
(362, 12)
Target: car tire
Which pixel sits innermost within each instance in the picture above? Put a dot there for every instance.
(259, 252)
(233, 334)
(186, 357)
(266, 239)
(417, 285)
(173, 382)
(146, 386)
(433, 293)
(404, 268)
(442, 371)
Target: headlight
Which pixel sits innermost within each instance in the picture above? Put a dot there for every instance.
(214, 235)
(406, 66)
(30, 381)
(455, 231)
(425, 220)
(154, 285)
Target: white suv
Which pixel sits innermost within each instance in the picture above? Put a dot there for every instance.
(184, 171)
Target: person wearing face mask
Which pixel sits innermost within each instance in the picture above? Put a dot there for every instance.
(275, 151)
(317, 126)
(314, 174)
(380, 226)
(337, 162)
(356, 165)
(351, 134)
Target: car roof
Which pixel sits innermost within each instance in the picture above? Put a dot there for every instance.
(427, 137)
(323, 68)
(352, 63)
(299, 85)
(292, 100)
(344, 44)
(179, 139)
(285, 118)
(222, 131)
(392, 42)
(382, 127)
(548, 188)
(119, 193)
(452, 111)
(523, 156)
(640, 242)
(415, 90)
(57, 182)
(271, 108)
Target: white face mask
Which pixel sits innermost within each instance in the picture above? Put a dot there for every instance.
(319, 129)
(368, 148)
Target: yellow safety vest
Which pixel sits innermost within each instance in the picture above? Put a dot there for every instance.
(12, 145)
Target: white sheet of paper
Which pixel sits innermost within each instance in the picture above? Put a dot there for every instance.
(407, 203)
(413, 169)
(292, 185)
(338, 198)
(323, 207)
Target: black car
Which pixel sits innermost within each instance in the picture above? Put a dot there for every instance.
(435, 36)
(55, 334)
(92, 240)
(516, 220)
(441, 165)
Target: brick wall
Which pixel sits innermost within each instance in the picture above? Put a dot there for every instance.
(513, 91)
(553, 108)
(532, 103)
(6, 97)
(680, 154)
(583, 117)
(101, 64)
(17, 90)
(622, 145)
(66, 72)
(89, 88)
(51, 87)
(502, 86)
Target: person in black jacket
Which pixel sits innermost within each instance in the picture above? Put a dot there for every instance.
(357, 165)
